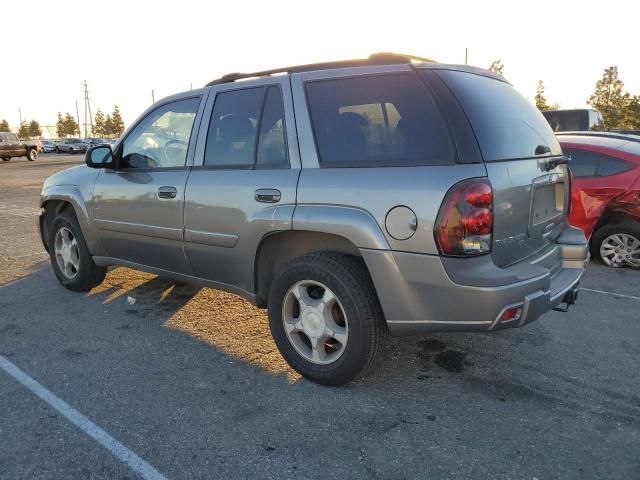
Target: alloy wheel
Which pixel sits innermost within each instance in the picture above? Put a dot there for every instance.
(67, 252)
(315, 322)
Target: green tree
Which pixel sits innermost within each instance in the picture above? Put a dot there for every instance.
(118, 123)
(98, 125)
(108, 126)
(71, 127)
(632, 113)
(541, 101)
(4, 126)
(60, 126)
(497, 67)
(610, 99)
(34, 129)
(23, 131)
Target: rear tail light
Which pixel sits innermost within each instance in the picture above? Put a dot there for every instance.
(465, 222)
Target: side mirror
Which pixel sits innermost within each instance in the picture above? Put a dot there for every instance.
(99, 157)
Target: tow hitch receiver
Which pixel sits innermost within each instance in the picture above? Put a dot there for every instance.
(569, 299)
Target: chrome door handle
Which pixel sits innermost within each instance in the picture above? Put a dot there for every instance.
(267, 195)
(167, 192)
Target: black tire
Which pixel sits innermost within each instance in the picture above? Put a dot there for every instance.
(32, 154)
(349, 280)
(627, 227)
(89, 275)
(6, 159)
(56, 150)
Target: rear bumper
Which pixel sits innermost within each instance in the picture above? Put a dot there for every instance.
(423, 293)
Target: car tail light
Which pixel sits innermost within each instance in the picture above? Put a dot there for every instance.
(465, 222)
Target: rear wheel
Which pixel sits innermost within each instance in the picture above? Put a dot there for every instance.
(6, 159)
(618, 245)
(70, 258)
(32, 155)
(325, 317)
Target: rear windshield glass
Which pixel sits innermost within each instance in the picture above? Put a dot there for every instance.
(378, 120)
(506, 124)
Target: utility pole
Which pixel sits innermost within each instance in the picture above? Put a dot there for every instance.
(78, 116)
(20, 115)
(153, 96)
(88, 120)
(466, 54)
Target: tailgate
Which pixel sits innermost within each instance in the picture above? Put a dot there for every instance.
(529, 207)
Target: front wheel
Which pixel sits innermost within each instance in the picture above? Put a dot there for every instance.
(70, 258)
(325, 317)
(618, 245)
(6, 159)
(32, 155)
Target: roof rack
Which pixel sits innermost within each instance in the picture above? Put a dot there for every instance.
(595, 133)
(382, 58)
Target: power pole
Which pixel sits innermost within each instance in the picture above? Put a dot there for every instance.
(87, 110)
(78, 116)
(466, 54)
(20, 115)
(153, 96)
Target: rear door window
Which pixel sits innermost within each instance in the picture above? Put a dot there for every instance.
(585, 163)
(246, 130)
(507, 125)
(377, 121)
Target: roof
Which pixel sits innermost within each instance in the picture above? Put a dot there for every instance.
(383, 58)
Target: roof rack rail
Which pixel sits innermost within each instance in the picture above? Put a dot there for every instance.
(602, 134)
(382, 58)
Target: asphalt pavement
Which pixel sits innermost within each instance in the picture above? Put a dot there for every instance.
(188, 381)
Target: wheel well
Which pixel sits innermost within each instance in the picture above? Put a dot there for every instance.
(51, 209)
(614, 218)
(277, 249)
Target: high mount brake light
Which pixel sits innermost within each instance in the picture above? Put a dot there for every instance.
(465, 222)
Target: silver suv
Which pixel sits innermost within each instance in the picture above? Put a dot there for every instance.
(352, 199)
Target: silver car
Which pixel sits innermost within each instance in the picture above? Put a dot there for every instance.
(390, 195)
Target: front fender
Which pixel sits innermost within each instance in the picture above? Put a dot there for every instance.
(72, 195)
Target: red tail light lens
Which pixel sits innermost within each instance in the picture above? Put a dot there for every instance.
(465, 221)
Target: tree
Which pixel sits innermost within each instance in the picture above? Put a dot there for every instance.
(497, 67)
(23, 131)
(108, 126)
(632, 113)
(541, 101)
(610, 99)
(4, 126)
(60, 126)
(34, 129)
(118, 123)
(71, 127)
(98, 126)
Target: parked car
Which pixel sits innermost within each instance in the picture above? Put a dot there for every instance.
(11, 146)
(574, 119)
(352, 199)
(71, 145)
(606, 193)
(48, 146)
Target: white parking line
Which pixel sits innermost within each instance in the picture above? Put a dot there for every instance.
(83, 423)
(632, 297)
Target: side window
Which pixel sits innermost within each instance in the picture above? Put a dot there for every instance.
(272, 152)
(247, 130)
(611, 166)
(161, 139)
(591, 164)
(583, 163)
(383, 120)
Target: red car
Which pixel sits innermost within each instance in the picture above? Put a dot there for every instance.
(605, 198)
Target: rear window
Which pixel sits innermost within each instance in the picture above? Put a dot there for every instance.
(377, 121)
(507, 125)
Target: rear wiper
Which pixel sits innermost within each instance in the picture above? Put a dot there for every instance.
(554, 162)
